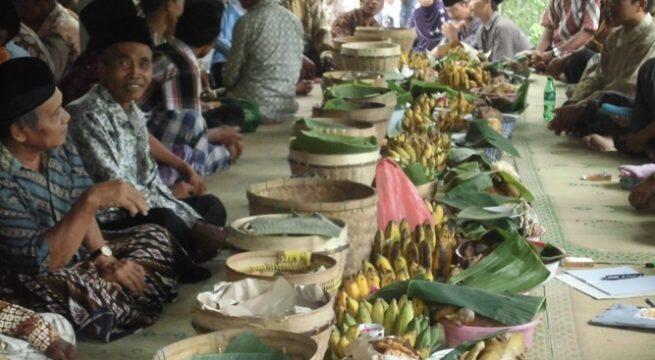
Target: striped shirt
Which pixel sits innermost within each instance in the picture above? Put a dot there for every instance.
(33, 202)
(568, 17)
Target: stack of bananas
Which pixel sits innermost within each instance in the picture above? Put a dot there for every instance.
(420, 63)
(427, 252)
(463, 75)
(453, 118)
(418, 118)
(430, 150)
(406, 318)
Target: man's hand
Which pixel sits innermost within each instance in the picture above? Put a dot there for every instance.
(304, 87)
(308, 70)
(541, 59)
(451, 30)
(60, 349)
(566, 118)
(556, 67)
(127, 274)
(192, 177)
(118, 194)
(235, 151)
(182, 190)
(225, 135)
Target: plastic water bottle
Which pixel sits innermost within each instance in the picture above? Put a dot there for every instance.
(549, 100)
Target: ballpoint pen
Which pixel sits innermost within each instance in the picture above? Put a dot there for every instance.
(621, 276)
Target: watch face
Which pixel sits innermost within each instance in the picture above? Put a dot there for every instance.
(106, 251)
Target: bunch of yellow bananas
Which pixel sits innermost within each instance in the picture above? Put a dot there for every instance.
(405, 318)
(418, 118)
(429, 149)
(463, 75)
(427, 252)
(453, 117)
(415, 61)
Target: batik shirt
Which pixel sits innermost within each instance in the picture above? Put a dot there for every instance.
(622, 55)
(113, 144)
(19, 322)
(265, 60)
(33, 202)
(60, 33)
(502, 38)
(314, 22)
(30, 41)
(568, 17)
(346, 24)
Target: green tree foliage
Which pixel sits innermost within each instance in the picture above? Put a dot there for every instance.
(527, 15)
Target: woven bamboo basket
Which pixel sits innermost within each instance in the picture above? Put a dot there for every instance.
(332, 78)
(427, 190)
(354, 203)
(343, 127)
(338, 42)
(364, 56)
(376, 113)
(296, 346)
(353, 167)
(336, 248)
(404, 37)
(244, 265)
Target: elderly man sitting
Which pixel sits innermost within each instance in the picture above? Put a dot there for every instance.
(111, 134)
(54, 256)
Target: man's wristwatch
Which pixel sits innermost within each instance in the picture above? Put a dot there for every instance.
(104, 250)
(557, 52)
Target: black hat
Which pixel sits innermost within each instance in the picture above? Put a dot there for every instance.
(200, 22)
(449, 3)
(100, 16)
(9, 19)
(128, 29)
(25, 83)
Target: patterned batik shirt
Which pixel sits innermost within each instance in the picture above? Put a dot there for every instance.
(113, 144)
(33, 202)
(265, 60)
(30, 41)
(346, 24)
(568, 17)
(314, 22)
(19, 322)
(60, 33)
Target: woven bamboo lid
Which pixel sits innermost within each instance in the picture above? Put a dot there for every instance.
(367, 49)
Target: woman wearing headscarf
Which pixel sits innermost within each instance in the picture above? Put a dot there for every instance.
(428, 19)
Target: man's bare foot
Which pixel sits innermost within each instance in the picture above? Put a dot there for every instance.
(207, 239)
(642, 196)
(599, 143)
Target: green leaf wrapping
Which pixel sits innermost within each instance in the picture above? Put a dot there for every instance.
(245, 346)
(513, 267)
(481, 135)
(507, 309)
(314, 142)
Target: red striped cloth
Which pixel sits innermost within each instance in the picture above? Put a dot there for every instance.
(568, 17)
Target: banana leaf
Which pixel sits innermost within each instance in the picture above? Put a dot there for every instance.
(245, 346)
(507, 309)
(482, 199)
(418, 87)
(403, 96)
(480, 213)
(315, 142)
(520, 104)
(354, 91)
(462, 172)
(481, 135)
(250, 111)
(475, 184)
(341, 104)
(417, 174)
(513, 267)
(459, 155)
(511, 180)
(314, 124)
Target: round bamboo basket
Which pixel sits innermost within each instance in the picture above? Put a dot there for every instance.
(362, 56)
(427, 190)
(404, 37)
(243, 265)
(353, 167)
(355, 204)
(376, 113)
(296, 346)
(332, 78)
(336, 248)
(343, 127)
(339, 41)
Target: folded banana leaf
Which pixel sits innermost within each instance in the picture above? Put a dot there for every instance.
(341, 104)
(314, 142)
(417, 174)
(355, 91)
(481, 135)
(475, 184)
(482, 199)
(251, 112)
(460, 155)
(522, 190)
(418, 87)
(314, 124)
(245, 346)
(513, 267)
(507, 309)
(403, 96)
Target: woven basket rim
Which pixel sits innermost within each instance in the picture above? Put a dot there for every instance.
(326, 260)
(373, 49)
(253, 194)
(349, 124)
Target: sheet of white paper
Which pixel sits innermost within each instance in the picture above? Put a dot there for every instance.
(641, 286)
(589, 289)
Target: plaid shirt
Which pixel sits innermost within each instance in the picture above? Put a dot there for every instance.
(346, 23)
(19, 322)
(568, 17)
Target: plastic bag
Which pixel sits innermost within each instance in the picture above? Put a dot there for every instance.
(397, 197)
